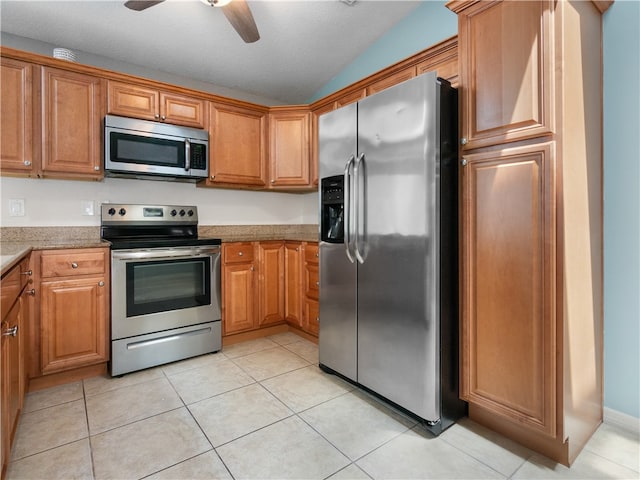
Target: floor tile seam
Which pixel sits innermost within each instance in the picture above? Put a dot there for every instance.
(220, 393)
(52, 406)
(524, 460)
(252, 353)
(89, 395)
(614, 461)
(12, 460)
(298, 355)
(86, 414)
(345, 467)
(273, 376)
(352, 460)
(137, 420)
(293, 414)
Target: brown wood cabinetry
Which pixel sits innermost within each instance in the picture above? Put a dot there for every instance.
(238, 288)
(293, 259)
(12, 354)
(391, 80)
(271, 285)
(72, 124)
(238, 146)
(149, 103)
(350, 97)
(16, 117)
(289, 147)
(531, 220)
(73, 291)
(507, 93)
(311, 313)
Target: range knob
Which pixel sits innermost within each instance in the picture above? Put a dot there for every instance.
(190, 213)
(173, 212)
(182, 213)
(122, 211)
(111, 211)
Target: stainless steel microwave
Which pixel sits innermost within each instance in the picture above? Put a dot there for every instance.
(141, 148)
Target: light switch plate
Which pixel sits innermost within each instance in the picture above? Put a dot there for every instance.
(87, 207)
(16, 207)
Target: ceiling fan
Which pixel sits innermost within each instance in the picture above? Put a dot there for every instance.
(236, 11)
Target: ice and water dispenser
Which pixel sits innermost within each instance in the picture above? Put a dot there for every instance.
(332, 209)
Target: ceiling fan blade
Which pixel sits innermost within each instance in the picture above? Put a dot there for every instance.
(139, 5)
(240, 17)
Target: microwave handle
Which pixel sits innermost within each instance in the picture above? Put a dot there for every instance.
(187, 154)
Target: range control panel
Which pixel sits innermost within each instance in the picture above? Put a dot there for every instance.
(126, 213)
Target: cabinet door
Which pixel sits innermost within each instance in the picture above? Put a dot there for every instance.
(289, 148)
(183, 110)
(238, 144)
(508, 284)
(238, 297)
(72, 123)
(351, 97)
(16, 116)
(293, 274)
(507, 85)
(133, 101)
(391, 80)
(271, 282)
(73, 318)
(311, 316)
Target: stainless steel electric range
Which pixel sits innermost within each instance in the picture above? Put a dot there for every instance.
(165, 286)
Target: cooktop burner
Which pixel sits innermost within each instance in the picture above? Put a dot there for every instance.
(151, 226)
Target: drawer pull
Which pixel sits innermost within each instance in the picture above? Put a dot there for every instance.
(317, 254)
(101, 283)
(31, 292)
(240, 254)
(317, 284)
(11, 332)
(74, 265)
(28, 272)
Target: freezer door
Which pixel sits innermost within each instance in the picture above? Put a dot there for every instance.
(338, 314)
(397, 239)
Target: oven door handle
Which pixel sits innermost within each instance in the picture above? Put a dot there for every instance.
(165, 255)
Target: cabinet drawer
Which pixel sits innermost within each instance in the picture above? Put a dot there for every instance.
(312, 281)
(238, 252)
(72, 262)
(311, 253)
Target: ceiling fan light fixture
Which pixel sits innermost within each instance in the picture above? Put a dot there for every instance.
(216, 3)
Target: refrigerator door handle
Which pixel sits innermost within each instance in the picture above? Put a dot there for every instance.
(347, 208)
(358, 208)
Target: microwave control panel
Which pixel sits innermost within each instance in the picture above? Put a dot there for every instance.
(198, 158)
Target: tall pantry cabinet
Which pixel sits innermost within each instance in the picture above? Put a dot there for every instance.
(531, 183)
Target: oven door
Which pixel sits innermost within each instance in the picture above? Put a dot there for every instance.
(162, 288)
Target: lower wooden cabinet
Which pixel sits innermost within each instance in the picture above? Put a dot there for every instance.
(12, 355)
(72, 318)
(263, 285)
(311, 312)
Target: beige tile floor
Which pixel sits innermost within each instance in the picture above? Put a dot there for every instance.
(262, 409)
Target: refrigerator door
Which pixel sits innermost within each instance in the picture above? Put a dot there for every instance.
(397, 239)
(338, 314)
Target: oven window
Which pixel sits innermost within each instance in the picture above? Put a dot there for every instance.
(127, 148)
(163, 285)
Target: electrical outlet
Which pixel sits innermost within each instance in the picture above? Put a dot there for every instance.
(87, 207)
(16, 207)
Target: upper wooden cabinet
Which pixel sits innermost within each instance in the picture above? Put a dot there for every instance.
(237, 146)
(72, 124)
(391, 80)
(289, 147)
(505, 63)
(16, 117)
(137, 101)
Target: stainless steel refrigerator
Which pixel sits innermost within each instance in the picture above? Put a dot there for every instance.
(388, 247)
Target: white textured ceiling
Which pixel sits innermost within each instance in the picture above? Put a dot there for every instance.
(303, 43)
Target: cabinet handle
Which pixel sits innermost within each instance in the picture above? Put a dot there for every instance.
(11, 332)
(31, 292)
(27, 163)
(297, 249)
(157, 115)
(74, 265)
(317, 284)
(251, 268)
(463, 162)
(317, 254)
(240, 254)
(463, 141)
(101, 283)
(273, 181)
(164, 118)
(96, 168)
(213, 177)
(28, 272)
